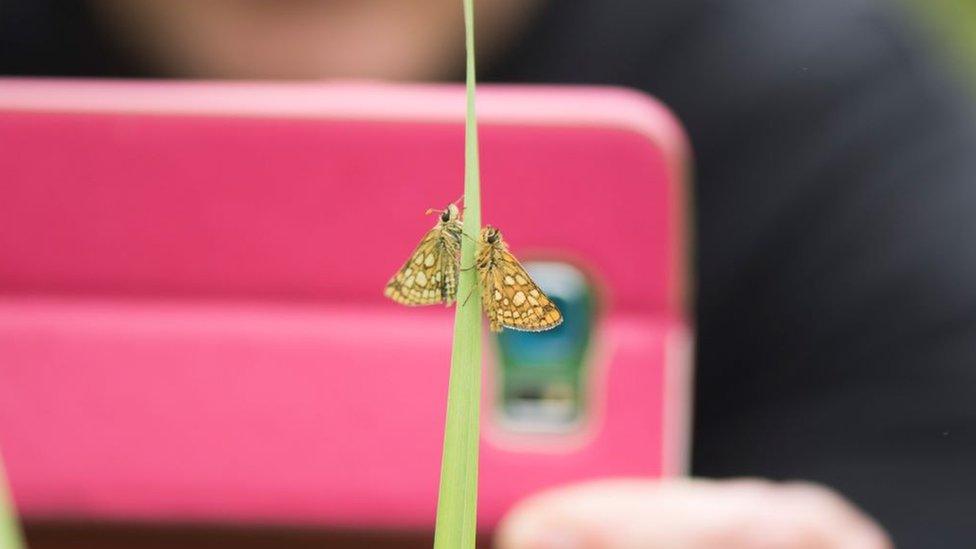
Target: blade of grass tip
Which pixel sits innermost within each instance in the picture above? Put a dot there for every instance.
(10, 535)
(458, 496)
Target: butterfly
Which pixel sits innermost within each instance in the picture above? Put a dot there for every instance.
(431, 274)
(509, 296)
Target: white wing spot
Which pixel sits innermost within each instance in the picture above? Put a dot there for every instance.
(518, 299)
(408, 282)
(509, 280)
(429, 260)
(520, 280)
(498, 295)
(421, 279)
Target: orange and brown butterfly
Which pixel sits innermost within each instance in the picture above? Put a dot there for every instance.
(430, 276)
(509, 296)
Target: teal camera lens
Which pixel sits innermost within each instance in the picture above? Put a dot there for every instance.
(543, 375)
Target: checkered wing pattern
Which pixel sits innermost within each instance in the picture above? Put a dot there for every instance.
(510, 297)
(430, 276)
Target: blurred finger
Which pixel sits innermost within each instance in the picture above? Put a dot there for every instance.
(689, 514)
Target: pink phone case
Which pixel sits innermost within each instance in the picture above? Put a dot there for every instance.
(192, 325)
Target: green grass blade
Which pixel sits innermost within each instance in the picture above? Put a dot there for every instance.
(10, 536)
(458, 498)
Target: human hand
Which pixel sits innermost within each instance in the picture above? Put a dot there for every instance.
(689, 514)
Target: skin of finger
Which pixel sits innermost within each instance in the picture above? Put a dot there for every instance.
(747, 514)
(619, 513)
(623, 514)
(763, 514)
(818, 504)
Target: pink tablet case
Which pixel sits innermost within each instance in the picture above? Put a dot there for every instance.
(192, 325)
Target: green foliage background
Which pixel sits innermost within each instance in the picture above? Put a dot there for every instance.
(951, 24)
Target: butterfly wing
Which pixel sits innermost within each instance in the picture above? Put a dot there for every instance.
(449, 260)
(513, 300)
(430, 275)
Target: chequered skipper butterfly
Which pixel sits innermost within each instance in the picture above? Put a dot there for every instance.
(431, 274)
(509, 296)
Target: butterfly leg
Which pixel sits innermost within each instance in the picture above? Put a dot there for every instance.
(465, 302)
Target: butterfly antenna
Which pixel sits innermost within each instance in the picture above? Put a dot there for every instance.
(435, 210)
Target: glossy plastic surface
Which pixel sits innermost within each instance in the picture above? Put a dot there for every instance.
(192, 324)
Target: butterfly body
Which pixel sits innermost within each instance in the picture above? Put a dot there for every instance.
(509, 296)
(430, 275)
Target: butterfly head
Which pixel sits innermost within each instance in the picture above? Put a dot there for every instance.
(490, 235)
(450, 214)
